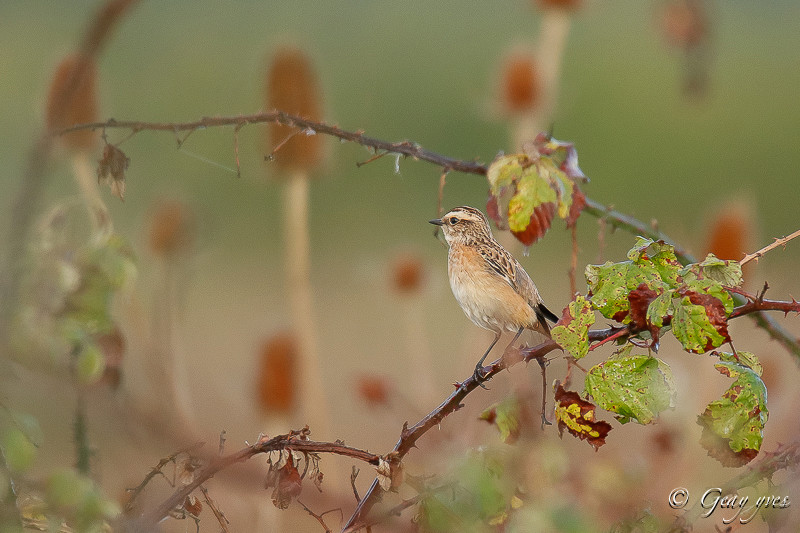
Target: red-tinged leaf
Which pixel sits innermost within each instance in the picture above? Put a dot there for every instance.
(715, 310)
(578, 203)
(493, 210)
(540, 222)
(640, 299)
(193, 505)
(563, 153)
(718, 448)
(571, 332)
(577, 416)
(287, 483)
(507, 416)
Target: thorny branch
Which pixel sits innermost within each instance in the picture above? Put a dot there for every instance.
(219, 515)
(607, 215)
(406, 148)
(411, 149)
(35, 174)
(157, 471)
(409, 436)
(760, 253)
(294, 441)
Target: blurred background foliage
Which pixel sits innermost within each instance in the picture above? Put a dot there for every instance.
(427, 72)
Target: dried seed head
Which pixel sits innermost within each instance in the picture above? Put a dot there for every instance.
(568, 5)
(521, 84)
(171, 228)
(685, 23)
(292, 87)
(407, 273)
(730, 234)
(373, 389)
(73, 100)
(277, 376)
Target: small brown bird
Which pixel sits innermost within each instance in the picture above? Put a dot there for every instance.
(490, 285)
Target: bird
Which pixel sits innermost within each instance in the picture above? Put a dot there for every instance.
(492, 288)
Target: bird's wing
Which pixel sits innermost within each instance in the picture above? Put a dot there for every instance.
(501, 262)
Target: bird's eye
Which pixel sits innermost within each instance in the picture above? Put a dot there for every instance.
(453, 221)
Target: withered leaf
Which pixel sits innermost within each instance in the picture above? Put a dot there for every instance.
(288, 485)
(577, 416)
(111, 170)
(540, 221)
(192, 505)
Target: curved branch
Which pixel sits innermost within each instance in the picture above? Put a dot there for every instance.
(754, 306)
(410, 436)
(294, 441)
(760, 253)
(406, 148)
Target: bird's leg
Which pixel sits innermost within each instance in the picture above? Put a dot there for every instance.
(510, 344)
(479, 367)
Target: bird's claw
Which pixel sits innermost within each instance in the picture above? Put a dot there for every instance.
(480, 377)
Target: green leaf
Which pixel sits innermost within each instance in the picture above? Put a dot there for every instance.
(505, 415)
(737, 419)
(608, 288)
(712, 288)
(728, 273)
(659, 255)
(18, 451)
(650, 262)
(693, 329)
(533, 190)
(746, 359)
(572, 331)
(480, 494)
(560, 182)
(636, 387)
(66, 488)
(506, 170)
(659, 309)
(90, 364)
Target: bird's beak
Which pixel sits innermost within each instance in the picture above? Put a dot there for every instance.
(437, 221)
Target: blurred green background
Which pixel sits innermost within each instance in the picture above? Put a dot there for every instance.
(423, 71)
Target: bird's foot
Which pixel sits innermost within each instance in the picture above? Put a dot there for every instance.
(479, 376)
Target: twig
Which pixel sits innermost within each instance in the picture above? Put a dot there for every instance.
(620, 220)
(760, 253)
(223, 522)
(760, 304)
(319, 516)
(573, 261)
(83, 449)
(606, 214)
(155, 471)
(293, 441)
(409, 436)
(23, 208)
(406, 148)
(236, 149)
(353, 475)
(222, 441)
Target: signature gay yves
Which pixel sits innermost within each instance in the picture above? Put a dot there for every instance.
(744, 507)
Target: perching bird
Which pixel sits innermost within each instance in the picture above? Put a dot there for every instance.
(490, 285)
